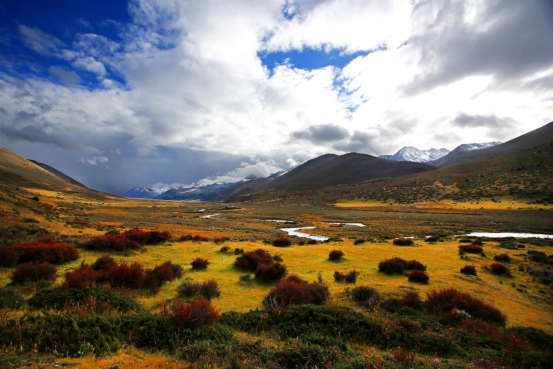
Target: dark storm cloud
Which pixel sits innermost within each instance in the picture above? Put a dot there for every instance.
(37, 134)
(489, 121)
(323, 133)
(512, 40)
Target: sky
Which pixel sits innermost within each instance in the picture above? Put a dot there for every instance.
(165, 93)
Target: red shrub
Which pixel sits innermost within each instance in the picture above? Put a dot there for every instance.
(83, 277)
(282, 242)
(301, 242)
(196, 314)
(431, 239)
(112, 242)
(137, 235)
(349, 277)
(187, 237)
(359, 241)
(104, 263)
(154, 278)
(335, 255)
(8, 257)
(468, 270)
(33, 272)
(210, 289)
(443, 301)
(295, 291)
(45, 250)
(418, 276)
(471, 249)
(402, 241)
(499, 269)
(225, 249)
(199, 263)
(339, 276)
(270, 272)
(198, 238)
(221, 239)
(502, 257)
(477, 242)
(391, 266)
(123, 275)
(410, 299)
(178, 270)
(251, 259)
(157, 237)
(312, 242)
(415, 265)
(147, 237)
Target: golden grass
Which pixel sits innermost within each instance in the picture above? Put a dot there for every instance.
(307, 261)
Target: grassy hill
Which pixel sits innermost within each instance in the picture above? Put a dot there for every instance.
(531, 139)
(329, 170)
(517, 171)
(57, 173)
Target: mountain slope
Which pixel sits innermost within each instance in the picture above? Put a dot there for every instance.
(520, 171)
(461, 151)
(16, 171)
(57, 173)
(349, 168)
(531, 139)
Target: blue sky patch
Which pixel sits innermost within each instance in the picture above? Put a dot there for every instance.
(309, 58)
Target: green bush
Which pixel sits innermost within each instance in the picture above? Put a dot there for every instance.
(56, 298)
(70, 336)
(10, 299)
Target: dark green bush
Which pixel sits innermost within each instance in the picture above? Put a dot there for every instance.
(71, 336)
(10, 299)
(56, 298)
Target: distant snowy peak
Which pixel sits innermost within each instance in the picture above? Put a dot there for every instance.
(410, 153)
(477, 146)
(144, 193)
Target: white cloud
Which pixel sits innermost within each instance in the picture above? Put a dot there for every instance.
(39, 41)
(193, 79)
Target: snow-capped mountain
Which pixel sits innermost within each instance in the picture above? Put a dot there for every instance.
(410, 153)
(144, 193)
(477, 146)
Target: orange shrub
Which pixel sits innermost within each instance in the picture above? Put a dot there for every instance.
(45, 250)
(196, 314)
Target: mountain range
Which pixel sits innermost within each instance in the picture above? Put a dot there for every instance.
(324, 171)
(431, 156)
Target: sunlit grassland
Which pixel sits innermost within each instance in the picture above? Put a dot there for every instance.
(527, 308)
